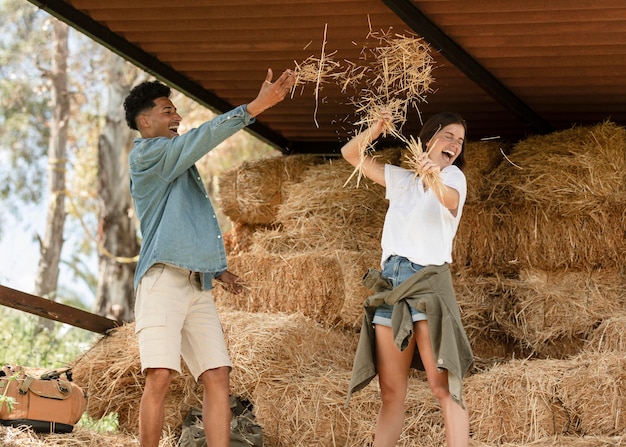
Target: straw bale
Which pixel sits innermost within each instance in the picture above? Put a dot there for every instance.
(267, 347)
(240, 237)
(593, 389)
(555, 312)
(252, 192)
(311, 283)
(110, 372)
(308, 410)
(579, 242)
(576, 171)
(354, 264)
(517, 402)
(550, 313)
(490, 342)
(79, 437)
(482, 245)
(482, 157)
(497, 239)
(322, 213)
(13, 437)
(609, 336)
(262, 348)
(562, 441)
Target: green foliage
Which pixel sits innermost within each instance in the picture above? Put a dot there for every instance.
(25, 110)
(108, 423)
(23, 342)
(7, 400)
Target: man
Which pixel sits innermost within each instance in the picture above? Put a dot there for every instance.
(182, 253)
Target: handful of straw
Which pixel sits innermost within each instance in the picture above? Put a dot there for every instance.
(432, 179)
(375, 113)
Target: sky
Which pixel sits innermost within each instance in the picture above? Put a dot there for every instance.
(19, 254)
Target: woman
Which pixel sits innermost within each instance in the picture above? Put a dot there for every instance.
(417, 244)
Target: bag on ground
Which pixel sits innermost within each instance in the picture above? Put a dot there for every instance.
(244, 431)
(45, 403)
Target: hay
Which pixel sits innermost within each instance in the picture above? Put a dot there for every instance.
(593, 389)
(507, 239)
(432, 179)
(317, 71)
(240, 237)
(562, 441)
(79, 437)
(560, 211)
(252, 192)
(320, 211)
(399, 77)
(320, 215)
(262, 348)
(334, 294)
(482, 157)
(354, 264)
(310, 283)
(517, 402)
(267, 347)
(577, 171)
(550, 314)
(490, 342)
(577, 242)
(307, 409)
(609, 336)
(110, 374)
(12, 437)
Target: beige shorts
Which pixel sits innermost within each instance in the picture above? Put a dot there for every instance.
(175, 317)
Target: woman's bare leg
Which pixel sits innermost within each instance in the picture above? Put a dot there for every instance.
(455, 417)
(393, 370)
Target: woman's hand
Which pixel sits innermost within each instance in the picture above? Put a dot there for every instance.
(426, 165)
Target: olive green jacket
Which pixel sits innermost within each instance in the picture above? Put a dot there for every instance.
(430, 291)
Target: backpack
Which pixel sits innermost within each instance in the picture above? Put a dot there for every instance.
(244, 431)
(45, 404)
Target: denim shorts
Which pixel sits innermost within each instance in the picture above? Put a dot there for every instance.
(396, 269)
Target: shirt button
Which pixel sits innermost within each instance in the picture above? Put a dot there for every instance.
(206, 195)
(440, 361)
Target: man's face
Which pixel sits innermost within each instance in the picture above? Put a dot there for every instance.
(160, 121)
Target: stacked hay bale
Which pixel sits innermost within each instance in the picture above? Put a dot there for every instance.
(538, 273)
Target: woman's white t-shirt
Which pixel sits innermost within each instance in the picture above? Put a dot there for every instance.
(417, 226)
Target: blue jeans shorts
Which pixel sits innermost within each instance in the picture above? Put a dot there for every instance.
(396, 269)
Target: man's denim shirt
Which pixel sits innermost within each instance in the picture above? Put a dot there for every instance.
(178, 224)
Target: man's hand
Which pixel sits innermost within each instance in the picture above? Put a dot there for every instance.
(271, 93)
(231, 282)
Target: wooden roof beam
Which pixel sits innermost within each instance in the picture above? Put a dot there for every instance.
(150, 64)
(424, 27)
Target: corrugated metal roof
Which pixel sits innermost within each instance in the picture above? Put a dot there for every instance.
(510, 67)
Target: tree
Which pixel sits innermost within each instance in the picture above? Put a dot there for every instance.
(48, 270)
(117, 229)
(24, 114)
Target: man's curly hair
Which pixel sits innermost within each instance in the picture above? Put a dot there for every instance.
(141, 98)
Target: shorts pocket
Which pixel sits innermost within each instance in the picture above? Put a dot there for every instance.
(149, 321)
(151, 277)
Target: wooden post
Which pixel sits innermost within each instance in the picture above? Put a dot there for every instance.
(43, 307)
